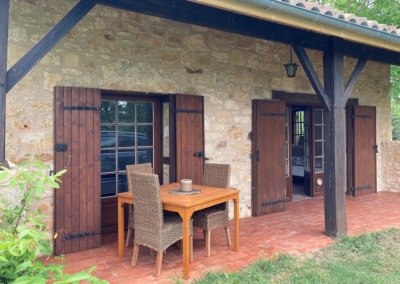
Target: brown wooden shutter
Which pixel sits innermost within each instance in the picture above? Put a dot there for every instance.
(77, 148)
(268, 157)
(365, 149)
(188, 135)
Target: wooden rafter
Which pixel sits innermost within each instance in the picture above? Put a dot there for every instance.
(312, 76)
(353, 78)
(40, 49)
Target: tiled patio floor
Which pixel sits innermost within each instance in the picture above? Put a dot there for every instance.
(297, 230)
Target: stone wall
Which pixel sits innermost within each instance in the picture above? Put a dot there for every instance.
(120, 50)
(390, 152)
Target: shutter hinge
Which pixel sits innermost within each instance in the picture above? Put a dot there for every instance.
(69, 237)
(186, 111)
(81, 108)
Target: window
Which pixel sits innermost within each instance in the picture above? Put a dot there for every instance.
(319, 140)
(127, 137)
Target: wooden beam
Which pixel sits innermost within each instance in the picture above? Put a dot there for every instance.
(312, 76)
(4, 11)
(195, 14)
(40, 49)
(353, 78)
(335, 143)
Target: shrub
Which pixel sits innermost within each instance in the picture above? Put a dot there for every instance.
(23, 238)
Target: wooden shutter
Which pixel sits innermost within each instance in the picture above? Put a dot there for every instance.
(268, 157)
(364, 150)
(187, 132)
(77, 148)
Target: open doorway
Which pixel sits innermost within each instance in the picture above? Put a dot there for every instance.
(300, 117)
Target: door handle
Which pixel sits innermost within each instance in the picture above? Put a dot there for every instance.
(200, 154)
(376, 148)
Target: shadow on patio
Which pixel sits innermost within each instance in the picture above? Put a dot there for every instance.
(297, 230)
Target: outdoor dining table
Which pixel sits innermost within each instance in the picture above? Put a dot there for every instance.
(185, 205)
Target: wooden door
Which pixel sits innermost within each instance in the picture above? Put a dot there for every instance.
(187, 131)
(77, 149)
(364, 150)
(268, 157)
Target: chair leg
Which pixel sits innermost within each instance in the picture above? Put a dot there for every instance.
(159, 262)
(191, 248)
(135, 255)
(228, 236)
(128, 237)
(208, 242)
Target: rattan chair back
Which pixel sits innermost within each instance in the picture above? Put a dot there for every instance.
(148, 206)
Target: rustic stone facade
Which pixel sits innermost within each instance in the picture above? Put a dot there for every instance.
(390, 165)
(119, 50)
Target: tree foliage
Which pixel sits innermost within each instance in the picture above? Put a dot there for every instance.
(384, 12)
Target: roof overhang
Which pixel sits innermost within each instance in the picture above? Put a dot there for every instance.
(301, 18)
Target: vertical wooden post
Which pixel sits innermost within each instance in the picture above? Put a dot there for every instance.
(4, 11)
(335, 142)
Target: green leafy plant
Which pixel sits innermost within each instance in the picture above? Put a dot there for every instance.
(23, 238)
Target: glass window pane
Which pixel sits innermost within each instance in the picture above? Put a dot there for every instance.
(318, 148)
(166, 129)
(287, 168)
(318, 132)
(318, 116)
(126, 136)
(145, 156)
(125, 157)
(287, 150)
(144, 112)
(108, 136)
(122, 183)
(108, 185)
(126, 112)
(319, 165)
(108, 111)
(108, 160)
(145, 135)
(166, 174)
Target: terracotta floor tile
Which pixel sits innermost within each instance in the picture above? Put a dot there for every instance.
(299, 229)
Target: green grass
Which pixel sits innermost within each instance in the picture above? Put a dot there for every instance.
(369, 258)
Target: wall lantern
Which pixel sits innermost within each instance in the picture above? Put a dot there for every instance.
(291, 68)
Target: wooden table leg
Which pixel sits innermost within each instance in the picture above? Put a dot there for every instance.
(121, 251)
(236, 224)
(185, 215)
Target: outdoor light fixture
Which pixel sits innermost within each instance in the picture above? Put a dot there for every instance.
(291, 67)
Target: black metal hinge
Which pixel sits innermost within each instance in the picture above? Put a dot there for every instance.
(363, 116)
(81, 108)
(363, 187)
(186, 111)
(273, 114)
(273, 202)
(70, 237)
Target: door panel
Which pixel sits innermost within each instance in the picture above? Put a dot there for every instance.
(188, 134)
(308, 153)
(77, 202)
(364, 167)
(318, 152)
(268, 157)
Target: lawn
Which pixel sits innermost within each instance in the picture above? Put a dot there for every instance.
(368, 258)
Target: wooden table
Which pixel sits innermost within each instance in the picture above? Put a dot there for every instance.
(185, 205)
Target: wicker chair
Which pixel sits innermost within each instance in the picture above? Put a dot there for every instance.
(153, 228)
(216, 216)
(139, 168)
